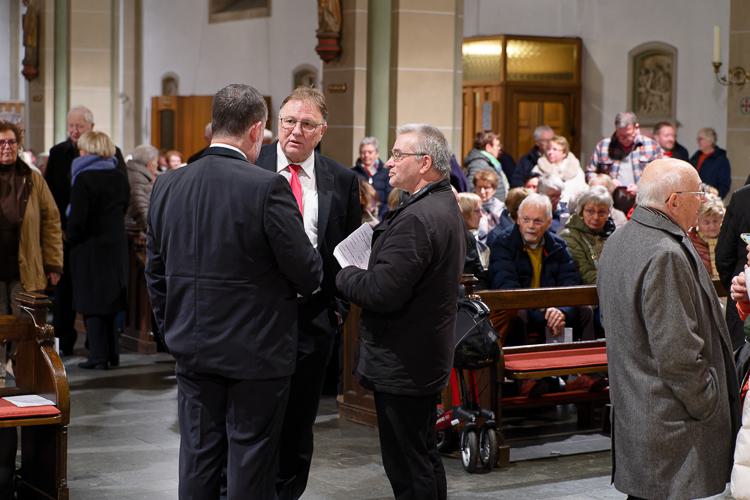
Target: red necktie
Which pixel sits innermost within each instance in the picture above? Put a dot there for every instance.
(296, 185)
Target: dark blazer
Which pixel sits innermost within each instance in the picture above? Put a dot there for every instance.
(227, 256)
(339, 214)
(409, 294)
(731, 251)
(715, 170)
(98, 244)
(524, 167)
(679, 152)
(57, 175)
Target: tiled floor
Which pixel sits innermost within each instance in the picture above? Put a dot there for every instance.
(124, 440)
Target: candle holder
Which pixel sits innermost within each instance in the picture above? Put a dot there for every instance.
(735, 76)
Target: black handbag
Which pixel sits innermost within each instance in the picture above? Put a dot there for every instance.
(475, 338)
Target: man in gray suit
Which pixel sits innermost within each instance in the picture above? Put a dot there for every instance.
(674, 393)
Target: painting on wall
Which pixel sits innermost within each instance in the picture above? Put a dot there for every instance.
(220, 11)
(652, 83)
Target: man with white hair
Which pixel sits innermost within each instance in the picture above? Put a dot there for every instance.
(542, 135)
(673, 387)
(58, 175)
(530, 255)
(142, 168)
(408, 295)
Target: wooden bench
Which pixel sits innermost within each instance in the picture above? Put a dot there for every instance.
(44, 430)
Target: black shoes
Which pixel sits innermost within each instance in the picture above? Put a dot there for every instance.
(93, 365)
(114, 361)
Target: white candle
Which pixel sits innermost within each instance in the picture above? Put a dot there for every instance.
(717, 44)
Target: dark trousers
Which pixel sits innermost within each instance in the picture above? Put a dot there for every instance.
(735, 325)
(408, 446)
(229, 423)
(65, 315)
(8, 447)
(296, 451)
(102, 337)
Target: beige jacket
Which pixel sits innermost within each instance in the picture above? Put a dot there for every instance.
(40, 248)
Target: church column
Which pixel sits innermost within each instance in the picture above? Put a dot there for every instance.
(345, 86)
(60, 86)
(424, 64)
(738, 98)
(131, 73)
(378, 72)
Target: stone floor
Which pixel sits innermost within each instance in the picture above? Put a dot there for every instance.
(124, 440)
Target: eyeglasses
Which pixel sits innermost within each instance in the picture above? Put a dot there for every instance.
(288, 123)
(400, 155)
(600, 213)
(700, 194)
(8, 142)
(536, 222)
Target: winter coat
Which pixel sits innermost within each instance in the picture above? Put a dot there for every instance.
(476, 161)
(409, 294)
(715, 170)
(673, 385)
(569, 170)
(585, 246)
(40, 246)
(141, 183)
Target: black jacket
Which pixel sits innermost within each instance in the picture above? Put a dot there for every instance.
(227, 256)
(731, 251)
(408, 294)
(339, 213)
(98, 244)
(524, 167)
(715, 170)
(679, 152)
(57, 175)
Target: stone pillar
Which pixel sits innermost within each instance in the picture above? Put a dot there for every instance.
(345, 86)
(130, 109)
(61, 85)
(738, 116)
(379, 72)
(424, 64)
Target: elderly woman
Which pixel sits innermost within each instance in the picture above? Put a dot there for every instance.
(705, 234)
(559, 161)
(142, 170)
(587, 229)
(174, 159)
(485, 185)
(477, 253)
(711, 162)
(98, 245)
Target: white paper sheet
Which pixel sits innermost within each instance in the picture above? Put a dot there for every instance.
(29, 400)
(355, 250)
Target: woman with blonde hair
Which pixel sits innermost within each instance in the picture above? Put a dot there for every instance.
(559, 161)
(98, 245)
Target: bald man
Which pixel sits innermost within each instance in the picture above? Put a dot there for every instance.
(675, 408)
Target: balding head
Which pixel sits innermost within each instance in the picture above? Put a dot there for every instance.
(674, 187)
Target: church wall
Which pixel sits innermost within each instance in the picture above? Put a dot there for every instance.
(5, 69)
(262, 52)
(609, 30)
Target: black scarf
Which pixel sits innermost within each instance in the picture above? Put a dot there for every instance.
(617, 151)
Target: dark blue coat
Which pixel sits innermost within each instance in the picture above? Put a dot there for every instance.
(715, 170)
(510, 266)
(379, 182)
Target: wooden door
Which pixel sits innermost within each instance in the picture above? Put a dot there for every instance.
(529, 109)
(178, 122)
(481, 111)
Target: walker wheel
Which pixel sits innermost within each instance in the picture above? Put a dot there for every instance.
(488, 453)
(469, 450)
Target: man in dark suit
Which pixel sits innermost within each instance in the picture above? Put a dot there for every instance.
(58, 176)
(328, 197)
(542, 135)
(227, 257)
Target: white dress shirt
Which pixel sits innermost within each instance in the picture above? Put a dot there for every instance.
(228, 146)
(309, 190)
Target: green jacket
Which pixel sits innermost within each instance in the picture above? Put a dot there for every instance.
(585, 246)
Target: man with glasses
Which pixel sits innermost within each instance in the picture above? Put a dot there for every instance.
(409, 296)
(327, 195)
(673, 386)
(57, 175)
(529, 255)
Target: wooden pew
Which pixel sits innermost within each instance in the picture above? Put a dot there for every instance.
(38, 370)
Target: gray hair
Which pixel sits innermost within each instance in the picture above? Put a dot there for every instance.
(625, 118)
(145, 153)
(88, 116)
(432, 143)
(549, 183)
(598, 195)
(536, 200)
(236, 108)
(372, 141)
(540, 130)
(655, 193)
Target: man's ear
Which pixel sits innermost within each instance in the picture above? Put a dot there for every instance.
(256, 132)
(426, 164)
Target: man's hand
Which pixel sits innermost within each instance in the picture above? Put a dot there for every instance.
(738, 290)
(54, 278)
(555, 320)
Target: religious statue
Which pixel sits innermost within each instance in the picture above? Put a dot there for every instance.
(329, 29)
(30, 40)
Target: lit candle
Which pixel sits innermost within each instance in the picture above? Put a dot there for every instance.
(717, 45)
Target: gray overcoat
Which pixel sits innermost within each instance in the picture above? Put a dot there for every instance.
(675, 401)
